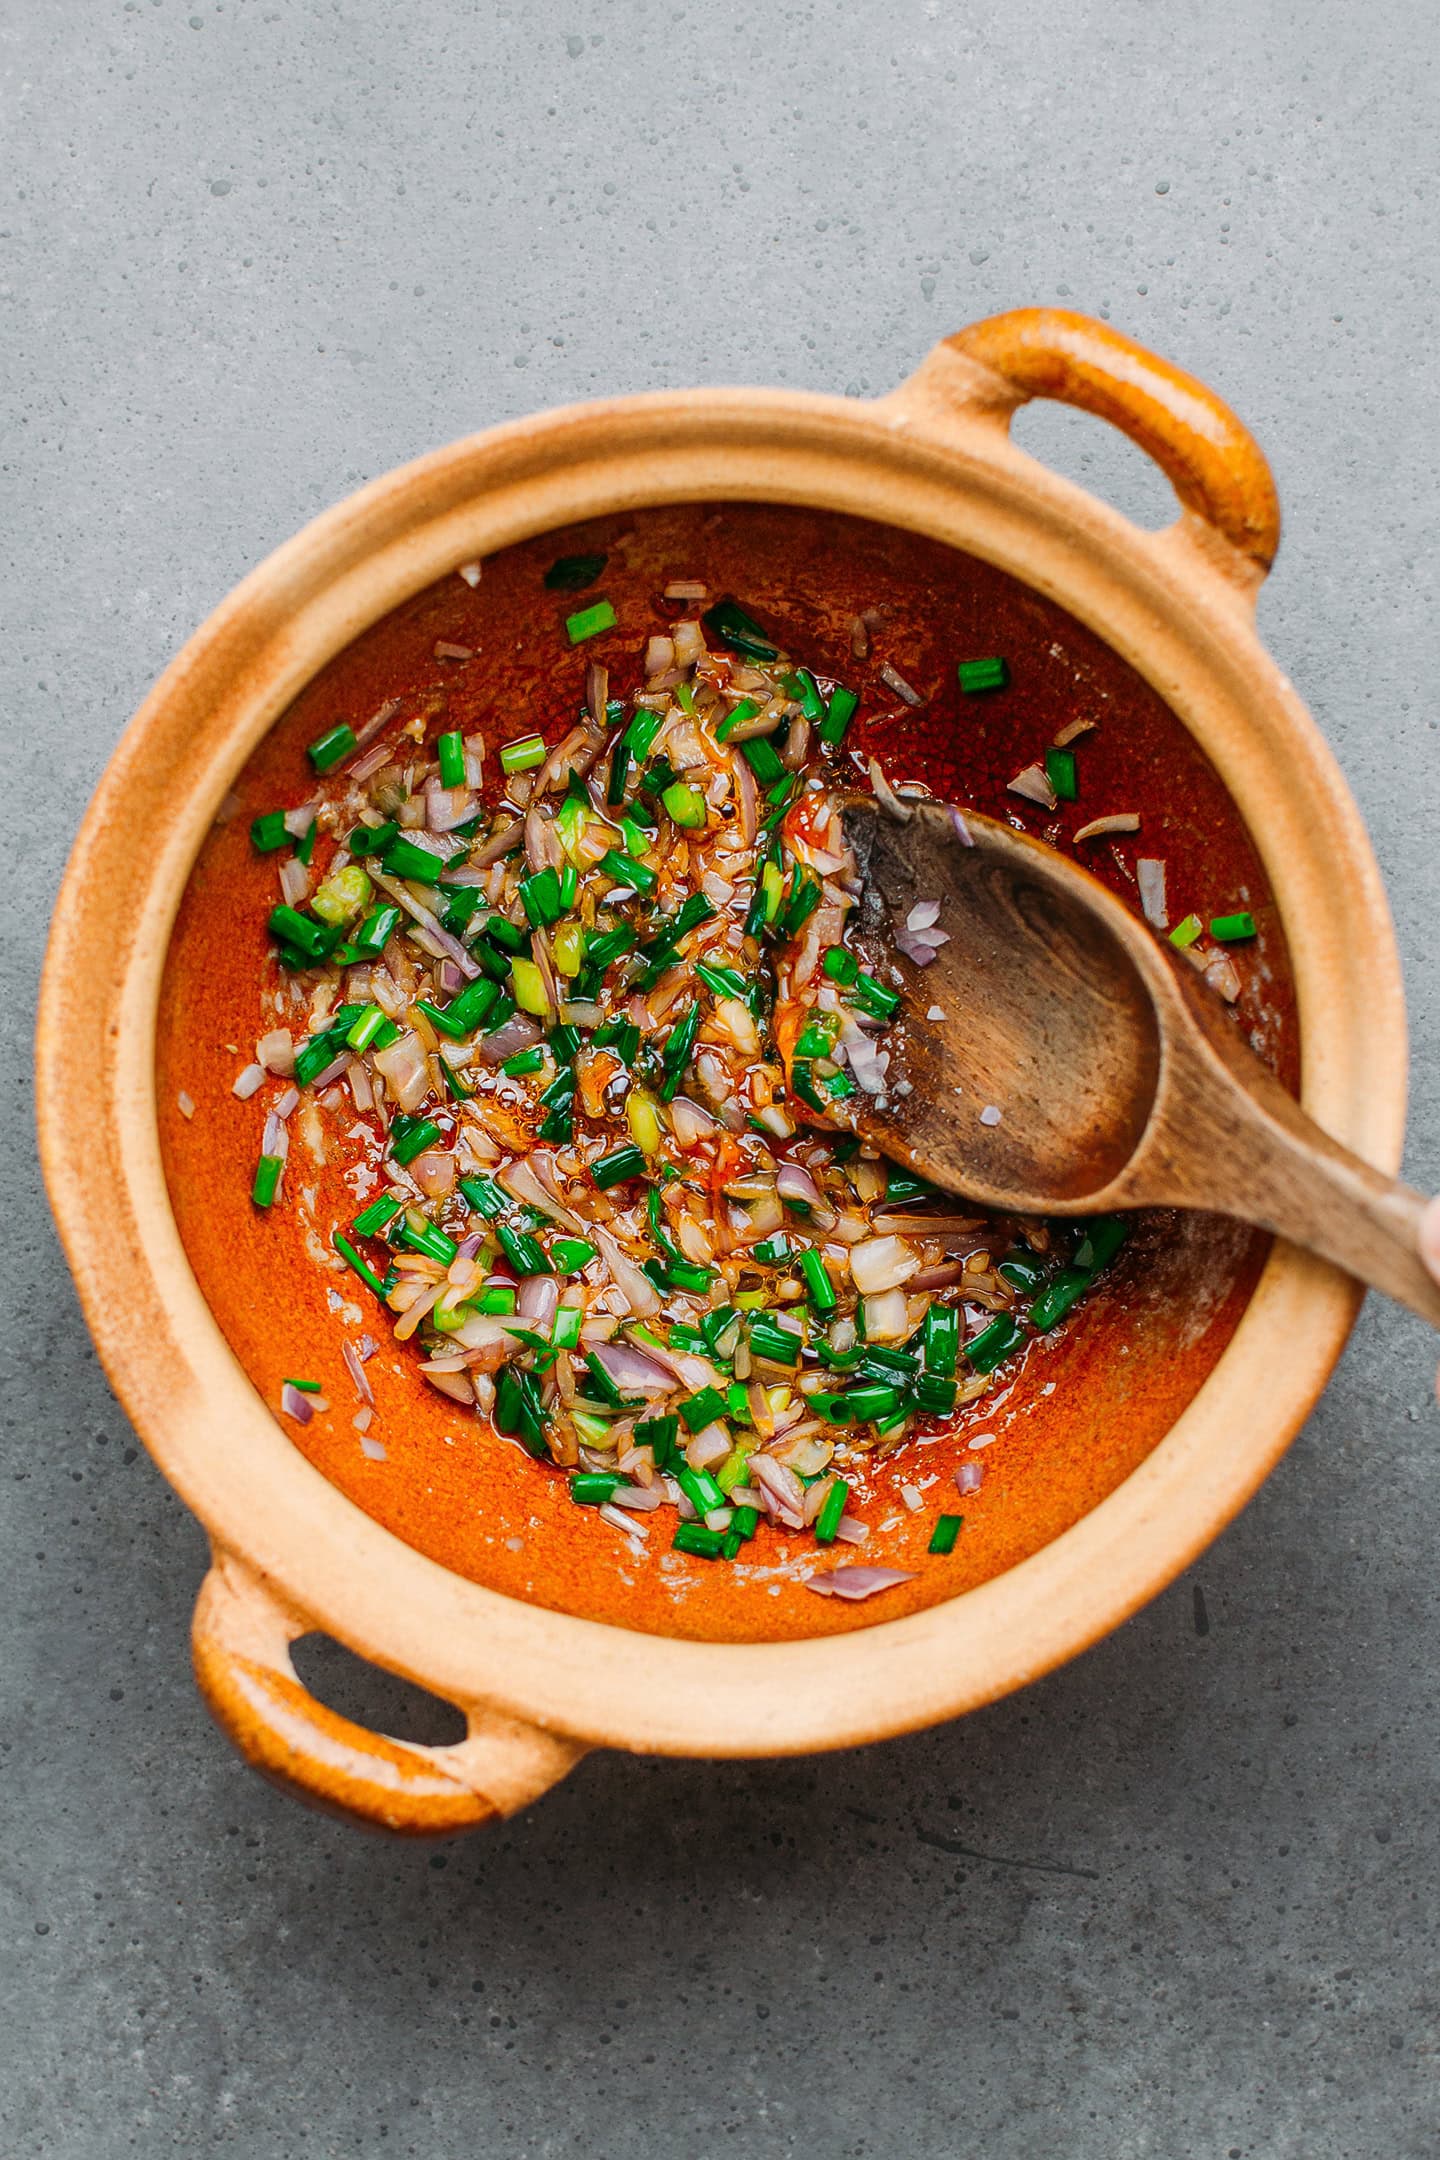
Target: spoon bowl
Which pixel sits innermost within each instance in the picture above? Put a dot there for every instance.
(1057, 1058)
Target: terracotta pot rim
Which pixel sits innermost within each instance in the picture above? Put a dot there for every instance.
(1178, 605)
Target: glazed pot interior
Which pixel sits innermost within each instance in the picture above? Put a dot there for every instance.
(1088, 1404)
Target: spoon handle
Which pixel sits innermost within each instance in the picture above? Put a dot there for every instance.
(1250, 1150)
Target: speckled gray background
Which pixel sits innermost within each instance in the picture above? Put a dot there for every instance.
(1178, 1900)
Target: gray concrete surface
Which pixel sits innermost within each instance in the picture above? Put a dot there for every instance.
(1178, 1900)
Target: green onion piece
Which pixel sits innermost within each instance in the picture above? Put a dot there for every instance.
(693, 1537)
(372, 1219)
(802, 685)
(641, 733)
(569, 1254)
(840, 966)
(352, 1259)
(366, 1028)
(882, 1363)
(520, 755)
(540, 898)
(726, 982)
(602, 1384)
(699, 1488)
(871, 1399)
(934, 1395)
(518, 1411)
(1055, 1301)
(418, 865)
(329, 748)
(817, 1037)
(372, 839)
(827, 1522)
(994, 1343)
(267, 1179)
(565, 1329)
(729, 625)
(423, 1237)
(745, 710)
(659, 1435)
(497, 1299)
(569, 886)
(466, 1010)
(1232, 929)
(977, 675)
(1102, 1240)
(940, 1340)
(524, 1061)
(619, 774)
(626, 871)
(525, 1253)
(589, 622)
(572, 573)
(306, 1387)
(1022, 1271)
(842, 709)
(763, 758)
(611, 945)
(685, 804)
(696, 910)
(701, 1410)
(268, 832)
(804, 899)
(450, 749)
(772, 1250)
(305, 849)
(626, 1162)
(819, 1288)
(410, 1137)
(1060, 771)
(1186, 932)
(686, 1275)
(594, 1488)
(297, 930)
(768, 1339)
(873, 996)
(943, 1536)
(377, 930)
(485, 1196)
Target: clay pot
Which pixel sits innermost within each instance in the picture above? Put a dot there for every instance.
(1128, 1441)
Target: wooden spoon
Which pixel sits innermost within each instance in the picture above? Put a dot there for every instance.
(1120, 1079)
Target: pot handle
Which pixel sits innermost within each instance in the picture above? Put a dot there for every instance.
(1211, 459)
(241, 1640)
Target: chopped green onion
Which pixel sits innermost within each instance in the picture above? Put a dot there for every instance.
(873, 996)
(976, 675)
(297, 930)
(572, 573)
(699, 1488)
(724, 981)
(589, 622)
(693, 1537)
(768, 1339)
(268, 832)
(604, 1387)
(619, 774)
(626, 1162)
(518, 1410)
(366, 1028)
(485, 1195)
(745, 710)
(940, 1340)
(411, 1136)
(842, 710)
(819, 1288)
(524, 1061)
(377, 930)
(569, 1255)
(659, 1435)
(685, 804)
(1055, 1301)
(641, 733)
(465, 1011)
(763, 758)
(520, 755)
(802, 685)
(626, 871)
(373, 1219)
(498, 1299)
(827, 1522)
(565, 1329)
(423, 1237)
(594, 1488)
(1102, 1240)
(729, 625)
(1060, 771)
(373, 839)
(701, 1410)
(540, 898)
(994, 1343)
(418, 865)
(450, 749)
(329, 748)
(1021, 1271)
(1232, 929)
(525, 1253)
(1186, 932)
(943, 1536)
(772, 1250)
(935, 1395)
(841, 966)
(352, 1259)
(267, 1179)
